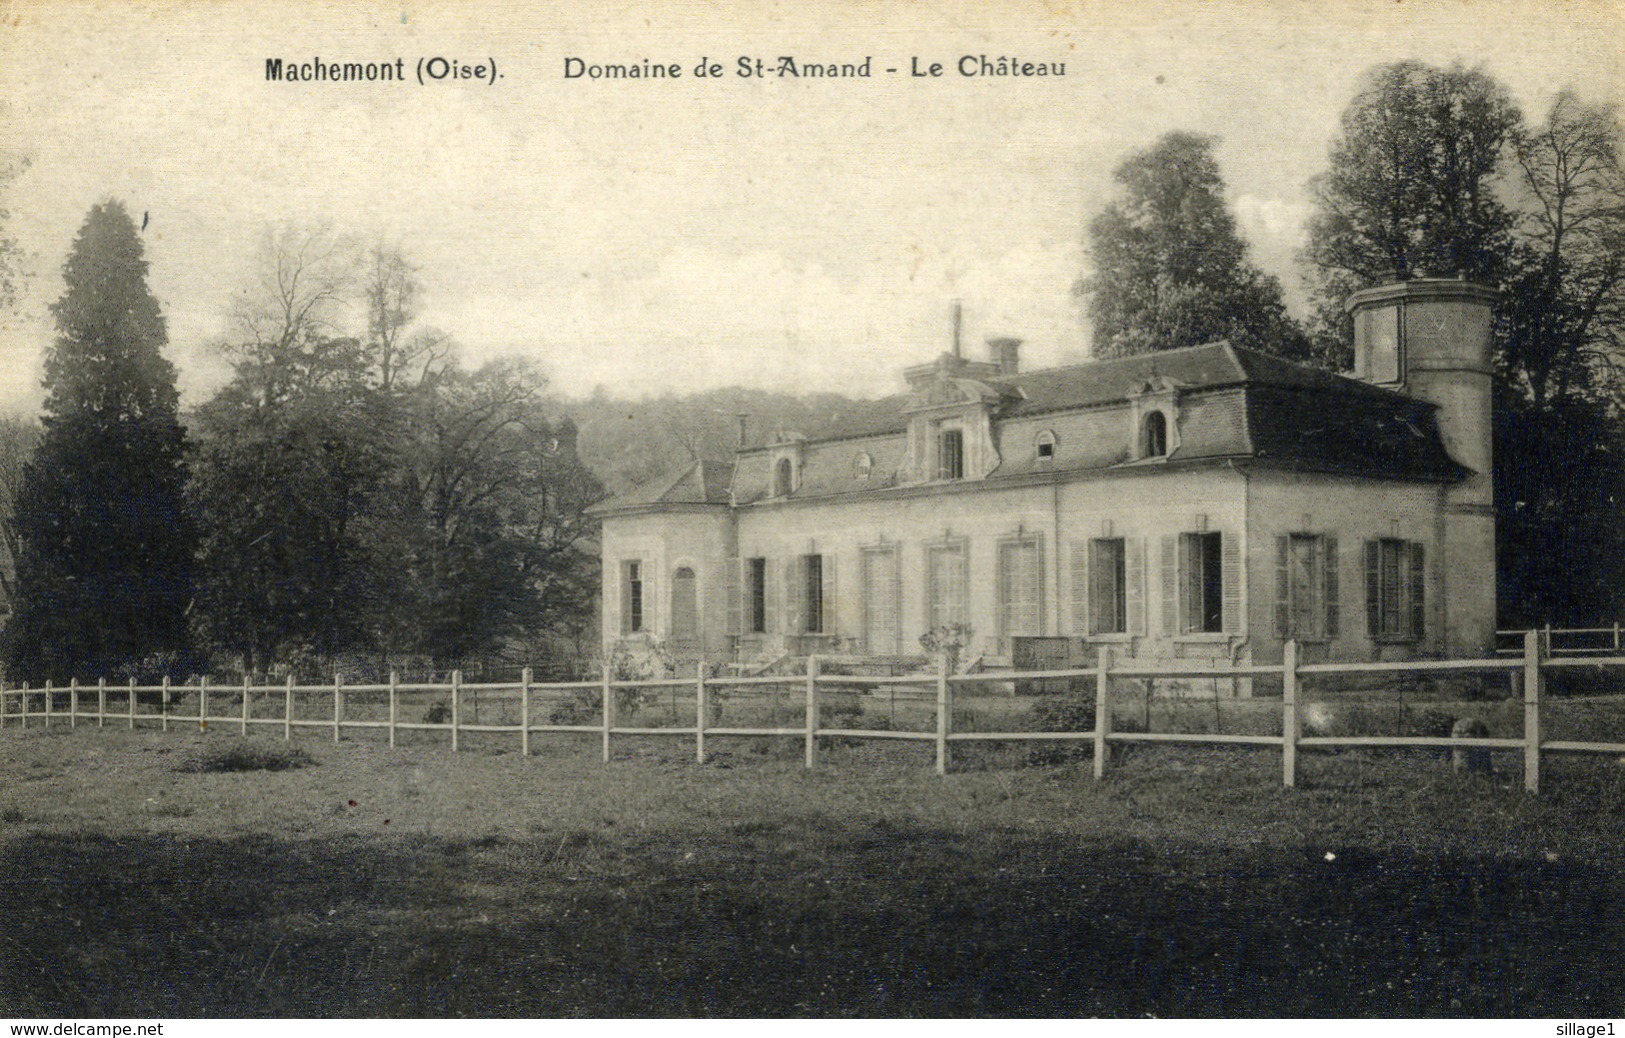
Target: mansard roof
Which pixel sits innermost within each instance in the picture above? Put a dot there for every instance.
(1235, 405)
(702, 483)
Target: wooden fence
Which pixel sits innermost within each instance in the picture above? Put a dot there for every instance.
(121, 704)
(1565, 641)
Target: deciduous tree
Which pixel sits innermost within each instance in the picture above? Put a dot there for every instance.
(1171, 269)
(1410, 189)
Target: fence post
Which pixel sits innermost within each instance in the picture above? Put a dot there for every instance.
(1616, 637)
(1103, 708)
(524, 715)
(1289, 713)
(203, 703)
(812, 712)
(943, 709)
(163, 707)
(394, 706)
(1531, 710)
(132, 704)
(338, 704)
(700, 711)
(245, 701)
(73, 703)
(456, 705)
(101, 700)
(609, 709)
(287, 708)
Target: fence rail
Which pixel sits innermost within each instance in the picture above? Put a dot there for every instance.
(1564, 641)
(123, 704)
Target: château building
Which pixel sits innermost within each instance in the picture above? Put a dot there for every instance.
(1199, 504)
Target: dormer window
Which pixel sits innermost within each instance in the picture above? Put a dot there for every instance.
(951, 454)
(782, 473)
(1046, 446)
(863, 466)
(1154, 436)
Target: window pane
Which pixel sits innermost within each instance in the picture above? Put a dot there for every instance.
(1107, 592)
(813, 586)
(758, 595)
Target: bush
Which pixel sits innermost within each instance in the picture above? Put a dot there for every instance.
(1071, 712)
(248, 756)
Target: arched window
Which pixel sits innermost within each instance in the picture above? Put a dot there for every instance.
(863, 465)
(781, 478)
(1155, 440)
(1046, 445)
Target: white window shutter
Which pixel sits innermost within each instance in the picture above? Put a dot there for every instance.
(1134, 577)
(1230, 575)
(1333, 608)
(1170, 584)
(1079, 576)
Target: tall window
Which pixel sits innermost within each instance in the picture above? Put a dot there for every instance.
(781, 478)
(756, 596)
(945, 584)
(1108, 588)
(1201, 582)
(812, 590)
(1154, 440)
(1021, 588)
(631, 596)
(685, 619)
(1394, 582)
(1306, 605)
(951, 454)
(881, 623)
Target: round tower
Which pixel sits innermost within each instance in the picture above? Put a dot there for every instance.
(1430, 339)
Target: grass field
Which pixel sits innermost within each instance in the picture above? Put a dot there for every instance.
(378, 882)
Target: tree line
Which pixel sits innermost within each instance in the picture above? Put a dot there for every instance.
(356, 494)
(352, 496)
(1434, 172)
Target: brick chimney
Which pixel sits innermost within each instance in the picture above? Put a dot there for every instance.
(1006, 354)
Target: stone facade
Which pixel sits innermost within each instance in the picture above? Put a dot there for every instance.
(1205, 503)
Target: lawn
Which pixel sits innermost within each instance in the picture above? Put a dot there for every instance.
(411, 882)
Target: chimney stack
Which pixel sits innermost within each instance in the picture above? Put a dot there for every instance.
(958, 318)
(1006, 353)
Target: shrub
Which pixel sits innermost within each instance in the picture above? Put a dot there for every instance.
(1072, 712)
(247, 756)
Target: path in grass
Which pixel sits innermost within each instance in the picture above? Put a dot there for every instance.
(410, 882)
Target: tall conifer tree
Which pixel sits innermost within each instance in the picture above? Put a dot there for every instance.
(105, 571)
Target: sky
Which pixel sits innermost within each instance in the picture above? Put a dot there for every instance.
(665, 235)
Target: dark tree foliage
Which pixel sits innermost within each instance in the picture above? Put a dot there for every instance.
(11, 256)
(1410, 190)
(285, 488)
(104, 575)
(490, 524)
(1559, 336)
(367, 500)
(1171, 269)
(1435, 174)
